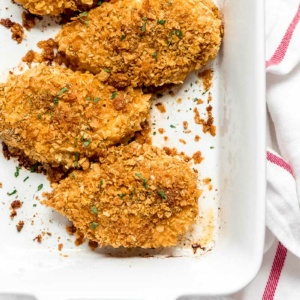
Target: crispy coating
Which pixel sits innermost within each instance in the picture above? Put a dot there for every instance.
(62, 117)
(53, 7)
(137, 196)
(147, 42)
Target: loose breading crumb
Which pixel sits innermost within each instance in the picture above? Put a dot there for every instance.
(16, 204)
(137, 196)
(20, 226)
(38, 238)
(15, 28)
(185, 125)
(197, 157)
(208, 124)
(161, 107)
(161, 130)
(182, 141)
(1, 185)
(60, 246)
(197, 138)
(207, 78)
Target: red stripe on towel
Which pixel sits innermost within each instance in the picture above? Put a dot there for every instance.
(280, 52)
(275, 273)
(279, 162)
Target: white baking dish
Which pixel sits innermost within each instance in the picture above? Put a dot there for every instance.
(237, 167)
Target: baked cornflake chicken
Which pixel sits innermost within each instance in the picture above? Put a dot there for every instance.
(61, 117)
(137, 196)
(54, 7)
(146, 42)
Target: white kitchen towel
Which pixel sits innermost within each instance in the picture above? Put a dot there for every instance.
(283, 101)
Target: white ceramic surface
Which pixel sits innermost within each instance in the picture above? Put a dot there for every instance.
(236, 166)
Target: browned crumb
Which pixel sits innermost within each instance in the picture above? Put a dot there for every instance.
(187, 131)
(197, 157)
(143, 136)
(1, 185)
(196, 247)
(20, 225)
(206, 180)
(209, 98)
(15, 28)
(80, 239)
(13, 214)
(208, 123)
(60, 246)
(161, 130)
(28, 20)
(166, 138)
(185, 125)
(160, 106)
(38, 238)
(71, 229)
(16, 204)
(200, 101)
(48, 47)
(29, 57)
(182, 141)
(207, 78)
(170, 151)
(49, 233)
(179, 100)
(197, 138)
(93, 245)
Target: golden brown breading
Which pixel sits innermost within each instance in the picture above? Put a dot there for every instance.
(58, 116)
(147, 42)
(137, 196)
(53, 7)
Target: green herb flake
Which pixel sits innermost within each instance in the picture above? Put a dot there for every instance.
(144, 25)
(100, 3)
(84, 14)
(73, 176)
(86, 143)
(179, 33)
(172, 126)
(155, 55)
(39, 116)
(63, 90)
(96, 100)
(154, 132)
(34, 168)
(113, 95)
(94, 210)
(55, 101)
(40, 187)
(123, 37)
(144, 180)
(101, 182)
(211, 147)
(106, 70)
(17, 172)
(204, 92)
(162, 194)
(34, 205)
(12, 193)
(76, 154)
(26, 179)
(121, 195)
(195, 100)
(94, 225)
(161, 22)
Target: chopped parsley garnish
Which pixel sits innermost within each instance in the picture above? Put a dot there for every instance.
(177, 32)
(86, 143)
(121, 195)
(155, 55)
(162, 194)
(204, 92)
(123, 37)
(34, 205)
(12, 193)
(63, 90)
(195, 100)
(144, 25)
(34, 168)
(40, 187)
(26, 178)
(84, 14)
(100, 3)
(211, 147)
(113, 95)
(17, 172)
(94, 225)
(55, 101)
(161, 22)
(101, 182)
(172, 126)
(39, 116)
(106, 70)
(76, 154)
(144, 180)
(154, 132)
(96, 100)
(94, 210)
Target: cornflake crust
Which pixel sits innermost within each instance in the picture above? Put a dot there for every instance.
(147, 42)
(61, 117)
(137, 196)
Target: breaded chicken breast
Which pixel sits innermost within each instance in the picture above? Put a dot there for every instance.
(146, 42)
(54, 7)
(137, 196)
(61, 117)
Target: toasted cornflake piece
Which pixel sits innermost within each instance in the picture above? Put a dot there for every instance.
(128, 38)
(62, 117)
(54, 7)
(144, 198)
